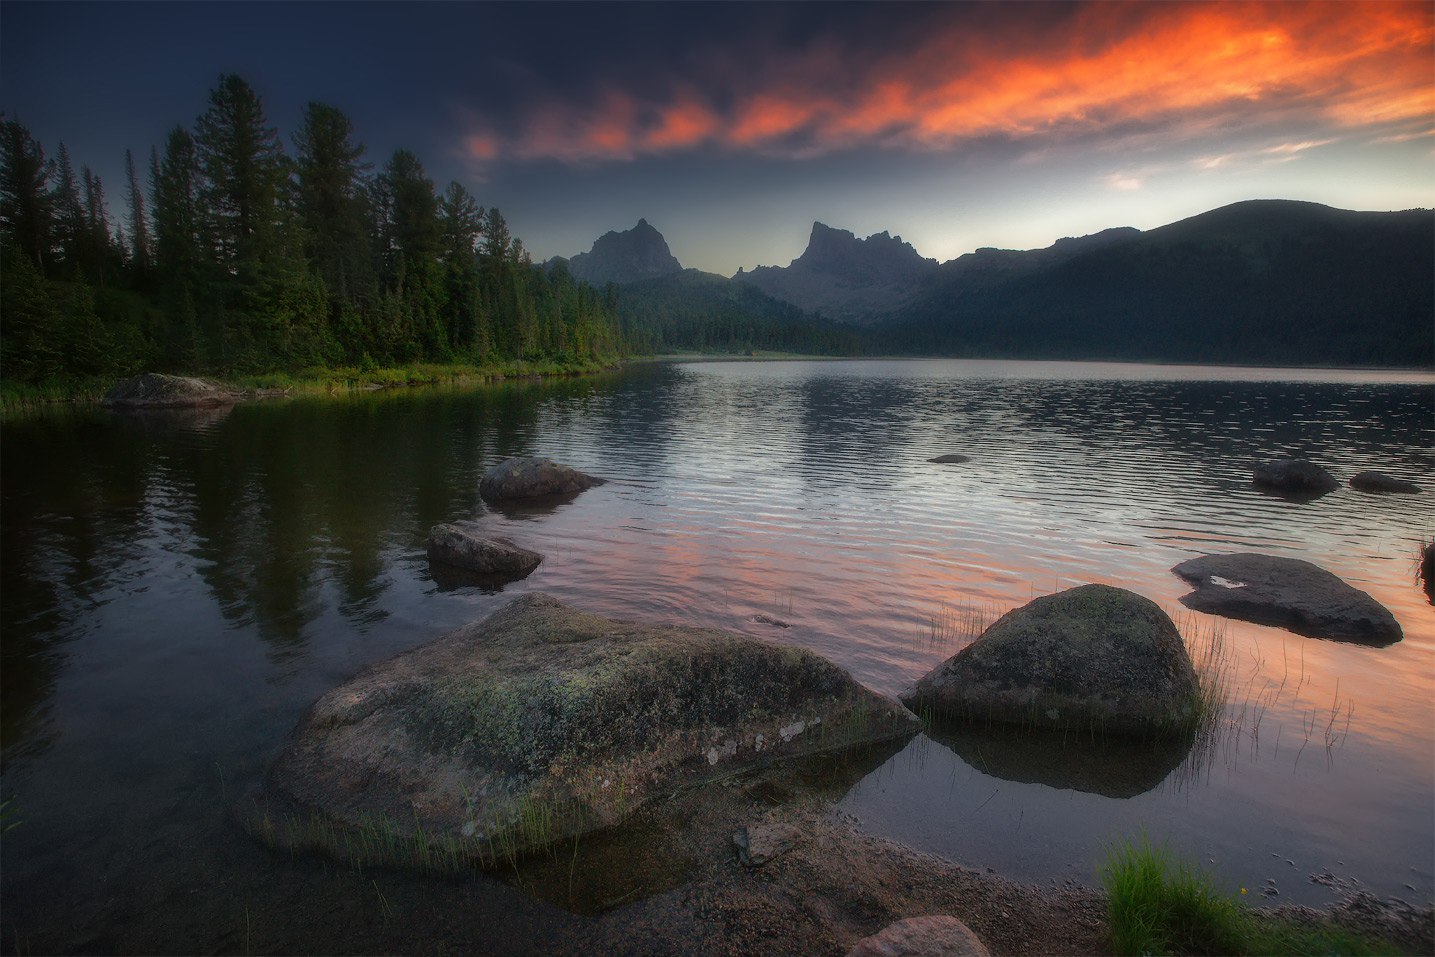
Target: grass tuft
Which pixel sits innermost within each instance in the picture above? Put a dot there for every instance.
(1160, 905)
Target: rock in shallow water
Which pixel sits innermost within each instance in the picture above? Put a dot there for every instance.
(496, 557)
(951, 458)
(530, 477)
(1089, 658)
(1294, 477)
(541, 723)
(1369, 481)
(155, 391)
(1288, 593)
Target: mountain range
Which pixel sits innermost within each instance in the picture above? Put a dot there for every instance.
(1262, 281)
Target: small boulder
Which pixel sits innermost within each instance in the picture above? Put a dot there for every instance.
(1288, 593)
(759, 843)
(1369, 481)
(951, 458)
(1091, 658)
(530, 477)
(934, 936)
(542, 723)
(155, 391)
(462, 548)
(1294, 477)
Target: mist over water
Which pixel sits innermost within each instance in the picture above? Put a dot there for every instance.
(178, 590)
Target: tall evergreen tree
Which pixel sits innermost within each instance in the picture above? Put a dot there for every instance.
(24, 192)
(140, 256)
(240, 161)
(70, 226)
(462, 220)
(179, 254)
(331, 202)
(95, 252)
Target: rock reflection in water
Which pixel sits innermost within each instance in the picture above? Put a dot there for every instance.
(1111, 766)
(662, 847)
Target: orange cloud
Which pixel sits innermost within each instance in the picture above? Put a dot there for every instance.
(1177, 66)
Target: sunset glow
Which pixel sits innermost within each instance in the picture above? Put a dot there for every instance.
(1182, 67)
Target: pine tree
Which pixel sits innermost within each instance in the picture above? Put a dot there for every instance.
(239, 161)
(179, 254)
(24, 193)
(331, 202)
(462, 219)
(140, 257)
(70, 228)
(95, 251)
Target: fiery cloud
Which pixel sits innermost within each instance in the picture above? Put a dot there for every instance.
(1182, 68)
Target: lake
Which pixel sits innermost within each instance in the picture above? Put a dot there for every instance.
(178, 589)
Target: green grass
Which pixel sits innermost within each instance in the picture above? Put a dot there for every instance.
(1160, 905)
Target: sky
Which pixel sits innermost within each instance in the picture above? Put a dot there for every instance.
(732, 127)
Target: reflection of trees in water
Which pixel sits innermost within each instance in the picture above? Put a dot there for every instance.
(71, 524)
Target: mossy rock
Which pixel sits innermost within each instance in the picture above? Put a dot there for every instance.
(1093, 659)
(542, 722)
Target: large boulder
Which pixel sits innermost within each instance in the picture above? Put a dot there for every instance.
(541, 723)
(1092, 658)
(936, 936)
(531, 477)
(495, 557)
(1369, 481)
(155, 391)
(1294, 477)
(1289, 593)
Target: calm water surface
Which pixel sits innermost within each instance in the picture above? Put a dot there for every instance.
(177, 590)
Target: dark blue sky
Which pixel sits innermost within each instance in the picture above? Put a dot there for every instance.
(731, 127)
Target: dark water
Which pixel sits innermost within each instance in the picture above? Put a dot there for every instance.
(178, 590)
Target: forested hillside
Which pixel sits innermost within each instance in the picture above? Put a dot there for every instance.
(234, 254)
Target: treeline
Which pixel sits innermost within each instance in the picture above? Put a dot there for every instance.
(700, 312)
(242, 257)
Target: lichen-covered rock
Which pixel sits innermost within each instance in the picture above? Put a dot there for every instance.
(530, 477)
(1369, 481)
(155, 391)
(935, 936)
(1288, 593)
(1092, 658)
(1294, 477)
(541, 723)
(496, 557)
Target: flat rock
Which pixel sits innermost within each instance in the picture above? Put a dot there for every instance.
(951, 458)
(934, 936)
(759, 843)
(1288, 593)
(1091, 658)
(541, 723)
(1294, 476)
(531, 477)
(1369, 481)
(466, 549)
(155, 391)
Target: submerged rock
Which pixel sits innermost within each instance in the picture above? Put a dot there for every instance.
(951, 458)
(541, 723)
(759, 843)
(1092, 658)
(531, 477)
(1294, 477)
(494, 557)
(1369, 481)
(1289, 593)
(155, 391)
(934, 936)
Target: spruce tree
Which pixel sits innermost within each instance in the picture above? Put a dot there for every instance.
(331, 191)
(140, 256)
(24, 193)
(70, 227)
